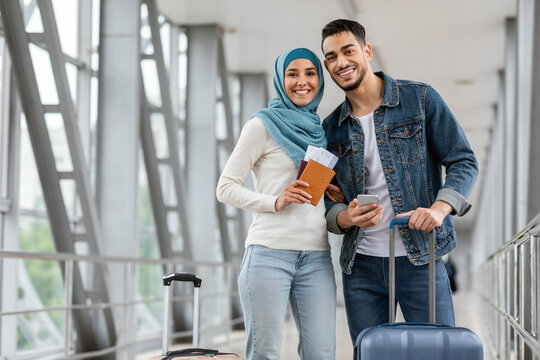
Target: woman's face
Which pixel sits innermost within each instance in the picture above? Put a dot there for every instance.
(301, 81)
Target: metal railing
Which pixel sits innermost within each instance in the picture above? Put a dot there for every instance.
(124, 309)
(509, 284)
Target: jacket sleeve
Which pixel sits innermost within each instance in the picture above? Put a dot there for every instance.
(448, 144)
(250, 147)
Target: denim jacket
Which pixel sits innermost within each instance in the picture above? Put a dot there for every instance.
(416, 135)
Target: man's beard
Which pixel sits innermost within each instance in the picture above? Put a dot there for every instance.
(356, 83)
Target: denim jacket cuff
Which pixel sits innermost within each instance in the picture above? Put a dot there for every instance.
(456, 200)
(331, 218)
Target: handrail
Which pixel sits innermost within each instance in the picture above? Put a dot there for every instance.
(127, 305)
(509, 285)
(59, 256)
(532, 229)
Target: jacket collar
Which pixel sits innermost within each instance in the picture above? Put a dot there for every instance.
(390, 97)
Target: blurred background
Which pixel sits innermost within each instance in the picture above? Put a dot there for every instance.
(117, 116)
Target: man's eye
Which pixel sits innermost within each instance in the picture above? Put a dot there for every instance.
(348, 52)
(330, 58)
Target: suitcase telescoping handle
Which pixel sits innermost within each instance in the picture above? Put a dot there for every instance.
(167, 281)
(392, 270)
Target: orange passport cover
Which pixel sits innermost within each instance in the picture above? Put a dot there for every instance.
(318, 177)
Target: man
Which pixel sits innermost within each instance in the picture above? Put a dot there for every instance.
(392, 138)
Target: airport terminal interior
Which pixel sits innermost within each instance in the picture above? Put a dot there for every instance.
(118, 116)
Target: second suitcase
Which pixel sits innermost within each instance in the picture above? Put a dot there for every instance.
(416, 341)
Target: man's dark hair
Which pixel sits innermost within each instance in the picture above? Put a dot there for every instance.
(342, 25)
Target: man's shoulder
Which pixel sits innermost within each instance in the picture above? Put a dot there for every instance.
(411, 84)
(333, 117)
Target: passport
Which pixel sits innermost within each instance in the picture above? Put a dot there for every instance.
(318, 177)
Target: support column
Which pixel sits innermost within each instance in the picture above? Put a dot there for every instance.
(253, 97)
(253, 94)
(510, 110)
(118, 138)
(9, 209)
(534, 162)
(201, 159)
(526, 18)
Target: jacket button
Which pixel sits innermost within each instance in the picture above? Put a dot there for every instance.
(355, 149)
(357, 180)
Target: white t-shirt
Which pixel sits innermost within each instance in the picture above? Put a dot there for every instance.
(374, 240)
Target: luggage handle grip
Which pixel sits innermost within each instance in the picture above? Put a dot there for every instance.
(167, 280)
(184, 277)
(399, 220)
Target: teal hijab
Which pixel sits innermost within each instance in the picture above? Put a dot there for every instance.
(293, 127)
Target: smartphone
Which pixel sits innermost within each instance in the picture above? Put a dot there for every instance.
(364, 199)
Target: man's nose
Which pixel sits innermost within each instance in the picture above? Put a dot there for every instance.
(341, 62)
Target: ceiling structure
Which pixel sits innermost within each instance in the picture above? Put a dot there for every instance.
(456, 46)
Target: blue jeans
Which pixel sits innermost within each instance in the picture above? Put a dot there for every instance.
(366, 293)
(269, 279)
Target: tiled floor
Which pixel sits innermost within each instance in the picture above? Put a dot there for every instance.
(466, 311)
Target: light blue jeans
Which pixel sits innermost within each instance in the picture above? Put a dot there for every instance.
(268, 280)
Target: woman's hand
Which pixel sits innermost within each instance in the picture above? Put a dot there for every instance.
(292, 194)
(335, 194)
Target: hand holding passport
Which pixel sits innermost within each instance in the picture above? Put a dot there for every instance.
(317, 170)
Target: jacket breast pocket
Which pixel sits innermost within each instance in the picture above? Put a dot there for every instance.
(344, 165)
(408, 142)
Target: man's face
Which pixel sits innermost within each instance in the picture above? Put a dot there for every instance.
(346, 59)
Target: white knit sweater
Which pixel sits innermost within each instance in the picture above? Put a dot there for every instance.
(297, 227)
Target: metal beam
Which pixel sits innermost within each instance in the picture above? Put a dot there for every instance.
(17, 38)
(171, 126)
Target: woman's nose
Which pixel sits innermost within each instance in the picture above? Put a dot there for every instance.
(301, 81)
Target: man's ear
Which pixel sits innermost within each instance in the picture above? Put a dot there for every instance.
(368, 51)
(326, 65)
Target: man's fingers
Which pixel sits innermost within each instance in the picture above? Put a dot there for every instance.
(408, 213)
(331, 197)
(366, 208)
(369, 218)
(333, 187)
(423, 220)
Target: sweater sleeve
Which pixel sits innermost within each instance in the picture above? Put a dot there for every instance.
(251, 145)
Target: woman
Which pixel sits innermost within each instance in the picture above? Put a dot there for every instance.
(287, 257)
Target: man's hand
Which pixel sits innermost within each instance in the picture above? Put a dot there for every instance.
(335, 194)
(292, 194)
(427, 219)
(364, 216)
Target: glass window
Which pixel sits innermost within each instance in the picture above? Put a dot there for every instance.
(66, 14)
